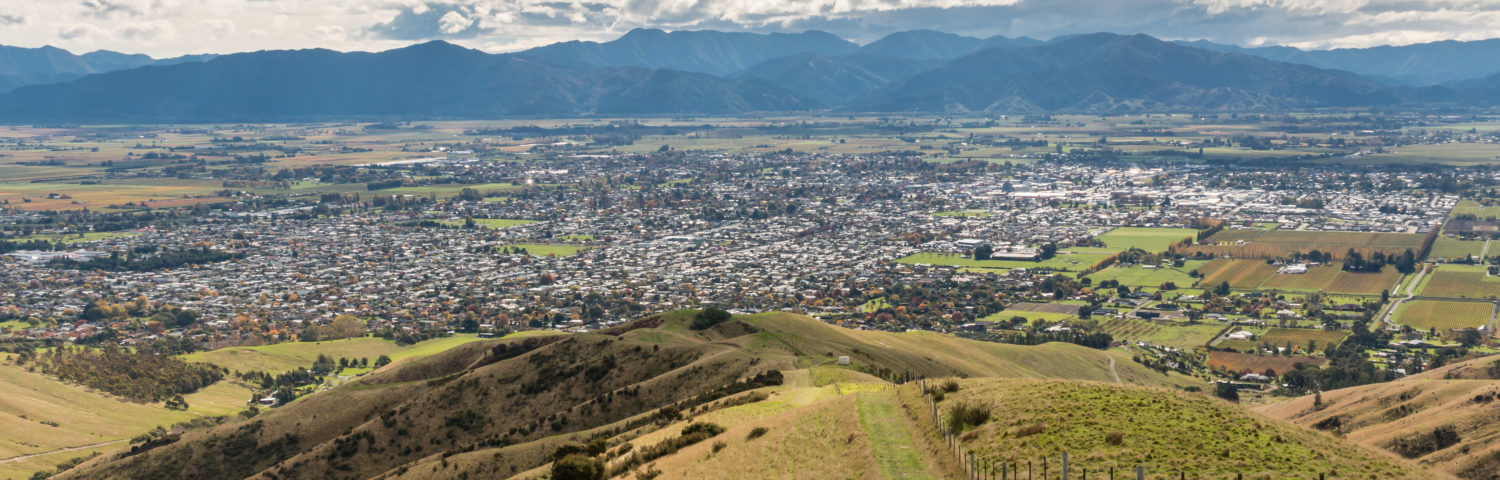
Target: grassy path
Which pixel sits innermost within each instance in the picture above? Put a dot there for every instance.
(890, 443)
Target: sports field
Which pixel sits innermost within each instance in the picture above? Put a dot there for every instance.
(1140, 276)
(1148, 239)
(1443, 315)
(1460, 281)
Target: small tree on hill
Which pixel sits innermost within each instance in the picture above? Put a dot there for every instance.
(709, 317)
(1227, 391)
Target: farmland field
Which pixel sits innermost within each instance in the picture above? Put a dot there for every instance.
(1149, 277)
(1239, 362)
(1258, 275)
(1451, 248)
(1148, 239)
(1280, 243)
(1165, 333)
(1478, 210)
(1465, 281)
(1278, 337)
(1443, 315)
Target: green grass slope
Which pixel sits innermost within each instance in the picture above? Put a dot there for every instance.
(282, 357)
(1165, 431)
(509, 401)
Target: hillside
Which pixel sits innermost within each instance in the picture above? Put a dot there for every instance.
(833, 80)
(1105, 426)
(1418, 64)
(20, 67)
(1110, 73)
(707, 51)
(520, 397)
(1444, 418)
(47, 422)
(432, 80)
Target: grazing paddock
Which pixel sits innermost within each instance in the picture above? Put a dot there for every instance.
(1443, 315)
(1044, 308)
(1281, 243)
(1449, 248)
(1139, 276)
(1258, 275)
(1460, 281)
(1148, 239)
(1478, 210)
(1278, 337)
(1165, 333)
(1243, 362)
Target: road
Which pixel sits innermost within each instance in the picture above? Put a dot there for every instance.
(1112, 371)
(1411, 288)
(70, 449)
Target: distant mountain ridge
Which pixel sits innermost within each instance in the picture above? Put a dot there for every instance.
(698, 72)
(706, 51)
(1410, 65)
(20, 67)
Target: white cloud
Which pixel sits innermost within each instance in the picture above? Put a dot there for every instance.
(453, 22)
(174, 27)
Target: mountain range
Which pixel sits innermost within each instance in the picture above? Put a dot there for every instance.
(649, 71)
(20, 67)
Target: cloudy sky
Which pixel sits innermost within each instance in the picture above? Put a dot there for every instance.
(175, 27)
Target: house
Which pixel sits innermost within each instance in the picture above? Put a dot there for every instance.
(1241, 335)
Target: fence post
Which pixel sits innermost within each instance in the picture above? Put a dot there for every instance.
(1028, 470)
(1044, 468)
(1140, 473)
(1002, 471)
(1065, 465)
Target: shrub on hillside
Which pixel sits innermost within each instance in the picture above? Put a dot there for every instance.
(709, 317)
(950, 386)
(1419, 444)
(578, 467)
(1114, 438)
(966, 415)
(756, 432)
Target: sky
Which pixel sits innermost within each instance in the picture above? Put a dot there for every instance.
(165, 28)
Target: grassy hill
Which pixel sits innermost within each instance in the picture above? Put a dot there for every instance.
(50, 419)
(1444, 418)
(282, 357)
(1107, 425)
(499, 407)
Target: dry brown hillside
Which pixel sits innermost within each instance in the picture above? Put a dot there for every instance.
(1448, 418)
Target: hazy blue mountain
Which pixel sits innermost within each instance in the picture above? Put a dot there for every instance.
(20, 67)
(430, 80)
(834, 80)
(1414, 65)
(1107, 72)
(931, 44)
(718, 53)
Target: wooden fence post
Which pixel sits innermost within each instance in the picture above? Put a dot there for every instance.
(1064, 465)
(1140, 473)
